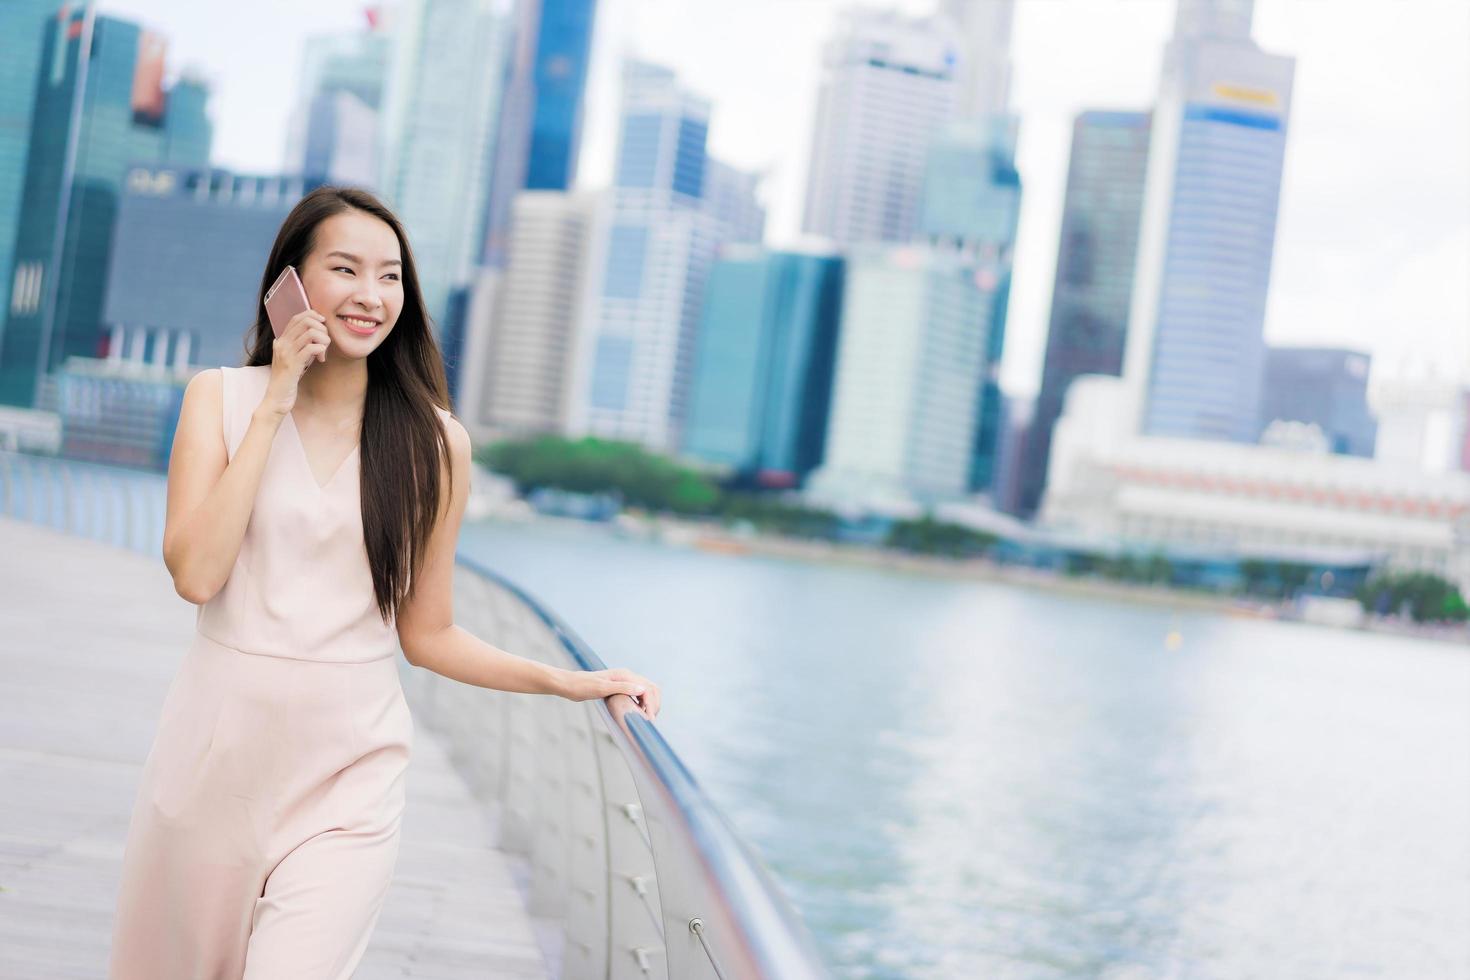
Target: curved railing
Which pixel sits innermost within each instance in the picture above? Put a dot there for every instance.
(631, 864)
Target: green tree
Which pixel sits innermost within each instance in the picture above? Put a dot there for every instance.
(643, 479)
(929, 536)
(1423, 595)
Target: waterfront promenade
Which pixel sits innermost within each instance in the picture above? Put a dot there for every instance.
(90, 636)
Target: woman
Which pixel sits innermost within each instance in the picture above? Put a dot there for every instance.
(312, 515)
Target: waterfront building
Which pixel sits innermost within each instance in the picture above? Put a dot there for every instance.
(1423, 424)
(1323, 386)
(970, 204)
(541, 115)
(763, 369)
(1113, 487)
(189, 250)
(888, 86)
(333, 129)
(100, 110)
(909, 354)
(1094, 274)
(119, 411)
(524, 350)
(661, 239)
(441, 110)
(1195, 350)
(22, 27)
(983, 28)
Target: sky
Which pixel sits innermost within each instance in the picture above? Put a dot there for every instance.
(1373, 236)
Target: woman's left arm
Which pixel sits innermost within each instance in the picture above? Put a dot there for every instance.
(430, 638)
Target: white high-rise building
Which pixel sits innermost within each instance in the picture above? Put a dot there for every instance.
(663, 233)
(908, 375)
(333, 131)
(888, 85)
(731, 199)
(984, 30)
(1195, 351)
(523, 353)
(1423, 424)
(439, 128)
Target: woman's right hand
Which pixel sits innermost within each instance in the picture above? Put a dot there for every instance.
(304, 340)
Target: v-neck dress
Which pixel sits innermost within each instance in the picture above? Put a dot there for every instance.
(266, 824)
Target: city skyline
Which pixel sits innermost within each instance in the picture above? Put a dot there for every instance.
(1389, 279)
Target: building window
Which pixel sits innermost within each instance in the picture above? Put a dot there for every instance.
(626, 251)
(614, 358)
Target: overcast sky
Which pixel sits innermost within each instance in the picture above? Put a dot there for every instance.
(1373, 240)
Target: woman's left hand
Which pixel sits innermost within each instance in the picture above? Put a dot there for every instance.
(584, 685)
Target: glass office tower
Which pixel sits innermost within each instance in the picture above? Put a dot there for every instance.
(100, 109)
(22, 27)
(1094, 276)
(1195, 353)
(541, 116)
(763, 369)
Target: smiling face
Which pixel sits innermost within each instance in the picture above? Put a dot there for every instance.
(354, 277)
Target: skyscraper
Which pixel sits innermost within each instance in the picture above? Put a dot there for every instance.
(984, 31)
(730, 197)
(1195, 350)
(1423, 424)
(440, 118)
(763, 372)
(1322, 386)
(662, 238)
(888, 85)
(22, 25)
(523, 349)
(1094, 276)
(909, 356)
(334, 127)
(971, 203)
(541, 117)
(100, 106)
(189, 250)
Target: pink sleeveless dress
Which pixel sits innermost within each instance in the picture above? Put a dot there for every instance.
(265, 829)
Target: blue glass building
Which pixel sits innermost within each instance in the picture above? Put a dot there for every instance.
(99, 109)
(22, 26)
(1196, 350)
(763, 368)
(541, 114)
(563, 49)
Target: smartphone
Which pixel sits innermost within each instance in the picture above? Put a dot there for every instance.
(285, 299)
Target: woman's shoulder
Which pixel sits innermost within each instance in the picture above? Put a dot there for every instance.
(247, 377)
(244, 370)
(454, 430)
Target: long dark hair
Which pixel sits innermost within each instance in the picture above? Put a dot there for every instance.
(402, 436)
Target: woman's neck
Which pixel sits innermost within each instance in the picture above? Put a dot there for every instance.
(333, 388)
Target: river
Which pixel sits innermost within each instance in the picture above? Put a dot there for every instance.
(955, 779)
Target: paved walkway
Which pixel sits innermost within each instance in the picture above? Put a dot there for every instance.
(90, 637)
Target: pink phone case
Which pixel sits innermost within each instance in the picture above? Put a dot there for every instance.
(285, 299)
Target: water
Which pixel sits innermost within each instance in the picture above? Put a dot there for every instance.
(958, 779)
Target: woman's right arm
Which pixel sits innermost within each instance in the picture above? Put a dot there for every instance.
(210, 496)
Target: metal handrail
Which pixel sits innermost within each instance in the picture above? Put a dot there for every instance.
(766, 937)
